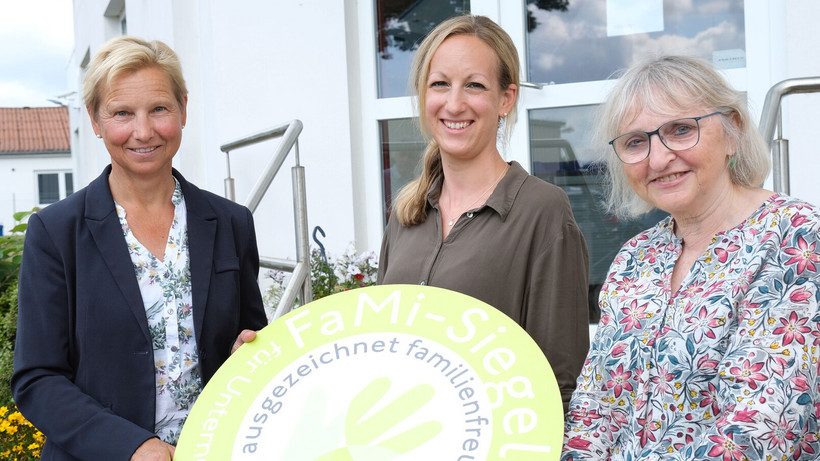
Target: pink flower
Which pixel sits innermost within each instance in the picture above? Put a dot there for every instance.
(585, 416)
(710, 397)
(726, 447)
(618, 350)
(634, 315)
(800, 296)
(702, 324)
(619, 381)
(714, 288)
(662, 380)
(806, 438)
(646, 429)
(640, 402)
(745, 416)
(617, 420)
(771, 208)
(799, 219)
(799, 383)
(749, 373)
(723, 255)
(578, 443)
(803, 255)
(728, 411)
(634, 242)
(779, 365)
(778, 433)
(793, 329)
(693, 288)
(705, 363)
(651, 255)
(625, 284)
(605, 319)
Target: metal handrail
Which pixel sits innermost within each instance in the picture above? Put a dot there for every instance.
(299, 283)
(771, 117)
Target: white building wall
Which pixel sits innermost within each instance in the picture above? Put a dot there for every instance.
(250, 66)
(802, 112)
(254, 64)
(18, 175)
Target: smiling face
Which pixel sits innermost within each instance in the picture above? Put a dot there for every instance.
(685, 183)
(140, 122)
(462, 98)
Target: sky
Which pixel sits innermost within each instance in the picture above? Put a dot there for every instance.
(36, 41)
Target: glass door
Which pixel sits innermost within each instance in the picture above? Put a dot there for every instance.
(571, 52)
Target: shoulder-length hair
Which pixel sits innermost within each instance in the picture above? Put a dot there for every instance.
(675, 83)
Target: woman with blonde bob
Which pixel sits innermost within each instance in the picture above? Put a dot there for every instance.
(707, 347)
(136, 288)
(474, 223)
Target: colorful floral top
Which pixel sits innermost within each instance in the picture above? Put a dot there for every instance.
(724, 368)
(166, 293)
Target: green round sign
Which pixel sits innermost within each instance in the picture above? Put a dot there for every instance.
(384, 373)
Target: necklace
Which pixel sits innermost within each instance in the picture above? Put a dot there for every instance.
(453, 218)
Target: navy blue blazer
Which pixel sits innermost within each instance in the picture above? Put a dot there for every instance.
(83, 362)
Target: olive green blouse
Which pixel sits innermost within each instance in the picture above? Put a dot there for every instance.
(521, 252)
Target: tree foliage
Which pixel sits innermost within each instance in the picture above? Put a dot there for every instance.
(546, 5)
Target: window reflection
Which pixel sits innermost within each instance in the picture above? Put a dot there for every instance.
(402, 149)
(48, 188)
(587, 40)
(563, 155)
(402, 24)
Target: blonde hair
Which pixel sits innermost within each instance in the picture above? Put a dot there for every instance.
(672, 83)
(125, 54)
(410, 204)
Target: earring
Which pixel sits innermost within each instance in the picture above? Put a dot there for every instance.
(183, 127)
(99, 136)
(504, 115)
(732, 162)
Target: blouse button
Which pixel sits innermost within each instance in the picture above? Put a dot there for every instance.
(470, 214)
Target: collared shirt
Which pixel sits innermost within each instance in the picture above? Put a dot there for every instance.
(165, 287)
(521, 252)
(724, 368)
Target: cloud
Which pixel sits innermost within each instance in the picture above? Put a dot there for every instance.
(703, 44)
(573, 46)
(37, 38)
(16, 94)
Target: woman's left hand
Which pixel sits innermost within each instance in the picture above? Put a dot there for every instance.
(245, 336)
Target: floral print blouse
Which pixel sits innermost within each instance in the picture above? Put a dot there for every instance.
(165, 287)
(726, 367)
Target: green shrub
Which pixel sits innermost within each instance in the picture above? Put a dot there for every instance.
(11, 252)
(328, 275)
(8, 329)
(19, 440)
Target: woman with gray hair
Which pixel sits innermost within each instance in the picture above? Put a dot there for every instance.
(136, 288)
(708, 341)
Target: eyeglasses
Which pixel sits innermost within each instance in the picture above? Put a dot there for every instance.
(680, 134)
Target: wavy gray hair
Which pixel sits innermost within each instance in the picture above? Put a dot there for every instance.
(674, 84)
